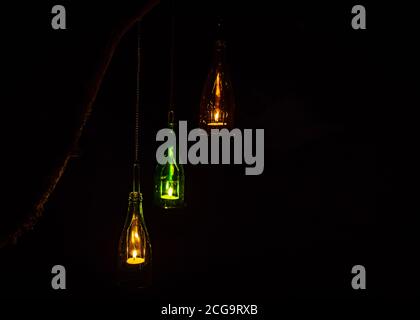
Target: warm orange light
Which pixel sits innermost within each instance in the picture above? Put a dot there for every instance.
(135, 260)
(218, 88)
(216, 124)
(135, 246)
(217, 115)
(217, 118)
(217, 101)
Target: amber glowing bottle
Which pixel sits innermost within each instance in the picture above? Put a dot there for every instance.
(217, 103)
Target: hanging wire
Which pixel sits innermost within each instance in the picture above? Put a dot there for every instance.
(136, 168)
(171, 109)
(172, 64)
(137, 119)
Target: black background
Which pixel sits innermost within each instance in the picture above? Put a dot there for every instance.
(326, 95)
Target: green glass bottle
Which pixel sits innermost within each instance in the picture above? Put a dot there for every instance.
(169, 178)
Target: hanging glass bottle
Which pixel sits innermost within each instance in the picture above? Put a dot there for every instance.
(169, 177)
(217, 104)
(134, 250)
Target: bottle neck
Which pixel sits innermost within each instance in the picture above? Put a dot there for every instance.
(171, 126)
(171, 116)
(219, 50)
(136, 178)
(136, 204)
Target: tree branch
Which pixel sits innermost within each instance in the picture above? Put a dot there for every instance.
(32, 218)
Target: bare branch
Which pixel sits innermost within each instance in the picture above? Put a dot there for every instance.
(38, 209)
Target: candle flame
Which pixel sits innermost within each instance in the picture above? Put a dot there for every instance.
(217, 98)
(218, 85)
(170, 193)
(135, 247)
(216, 116)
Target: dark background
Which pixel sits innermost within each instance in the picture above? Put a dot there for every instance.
(326, 95)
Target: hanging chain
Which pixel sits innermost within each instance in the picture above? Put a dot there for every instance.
(172, 64)
(136, 167)
(137, 119)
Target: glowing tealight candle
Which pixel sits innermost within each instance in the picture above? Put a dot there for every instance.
(216, 116)
(170, 194)
(134, 259)
(135, 245)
